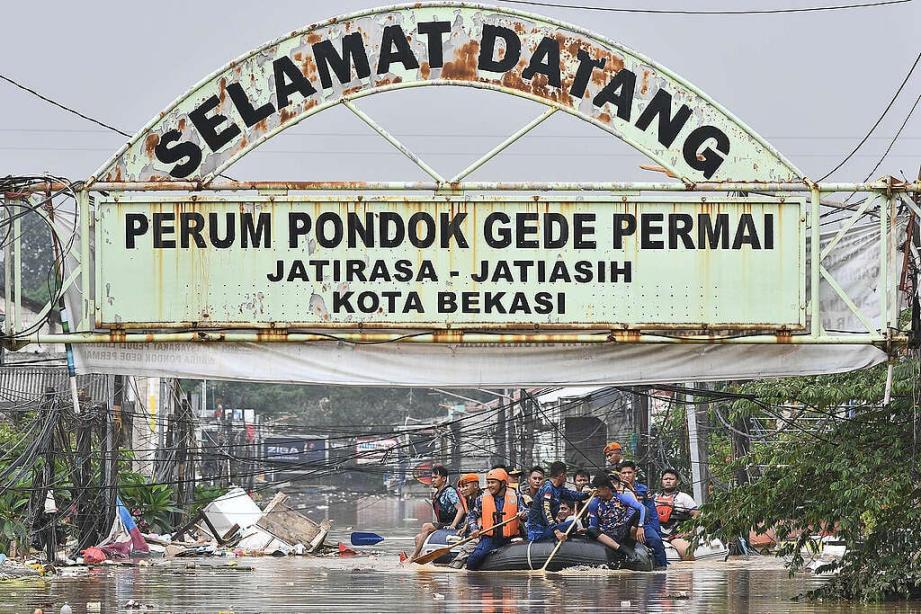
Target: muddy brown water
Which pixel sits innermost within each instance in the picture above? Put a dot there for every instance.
(374, 581)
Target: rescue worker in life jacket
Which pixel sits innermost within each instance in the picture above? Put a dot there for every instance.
(674, 507)
(446, 503)
(498, 504)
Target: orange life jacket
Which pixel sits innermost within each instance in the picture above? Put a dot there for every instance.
(665, 505)
(509, 510)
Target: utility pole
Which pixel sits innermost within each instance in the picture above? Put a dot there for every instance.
(512, 436)
(691, 414)
(48, 476)
(84, 512)
(501, 433)
(527, 430)
(740, 448)
(702, 412)
(641, 427)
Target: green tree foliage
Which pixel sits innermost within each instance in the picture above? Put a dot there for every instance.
(857, 475)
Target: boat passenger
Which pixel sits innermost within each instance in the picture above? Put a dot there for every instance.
(581, 482)
(469, 487)
(446, 504)
(611, 514)
(535, 480)
(498, 504)
(542, 522)
(652, 531)
(613, 454)
(674, 507)
(566, 516)
(581, 479)
(514, 477)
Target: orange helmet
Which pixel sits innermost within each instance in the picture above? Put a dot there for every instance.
(614, 445)
(497, 474)
(468, 477)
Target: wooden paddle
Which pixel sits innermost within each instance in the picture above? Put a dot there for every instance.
(568, 531)
(440, 552)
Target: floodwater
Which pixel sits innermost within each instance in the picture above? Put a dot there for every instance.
(374, 581)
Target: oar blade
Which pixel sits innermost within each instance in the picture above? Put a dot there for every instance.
(363, 538)
(433, 555)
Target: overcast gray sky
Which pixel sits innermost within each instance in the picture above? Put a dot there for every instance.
(812, 84)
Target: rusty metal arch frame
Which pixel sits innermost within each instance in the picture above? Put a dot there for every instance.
(772, 155)
(884, 195)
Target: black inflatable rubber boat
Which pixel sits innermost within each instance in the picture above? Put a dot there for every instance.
(525, 555)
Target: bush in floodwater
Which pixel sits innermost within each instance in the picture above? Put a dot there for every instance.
(855, 474)
(151, 504)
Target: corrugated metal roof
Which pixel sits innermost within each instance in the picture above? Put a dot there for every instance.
(22, 385)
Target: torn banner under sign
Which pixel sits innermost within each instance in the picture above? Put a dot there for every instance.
(854, 264)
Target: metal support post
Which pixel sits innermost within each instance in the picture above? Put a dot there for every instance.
(885, 205)
(393, 141)
(495, 151)
(8, 276)
(83, 208)
(815, 260)
(17, 276)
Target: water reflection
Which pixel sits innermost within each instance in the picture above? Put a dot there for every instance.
(375, 582)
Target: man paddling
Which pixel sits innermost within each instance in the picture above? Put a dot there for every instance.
(673, 507)
(542, 524)
(446, 505)
(498, 504)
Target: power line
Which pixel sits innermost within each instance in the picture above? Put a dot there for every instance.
(468, 135)
(878, 121)
(454, 153)
(739, 12)
(895, 138)
(64, 107)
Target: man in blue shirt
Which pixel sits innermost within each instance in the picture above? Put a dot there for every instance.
(542, 514)
(653, 532)
(611, 514)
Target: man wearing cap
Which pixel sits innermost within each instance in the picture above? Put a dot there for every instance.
(613, 454)
(514, 477)
(498, 504)
(469, 486)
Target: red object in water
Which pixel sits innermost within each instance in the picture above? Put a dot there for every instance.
(403, 557)
(92, 556)
(345, 550)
